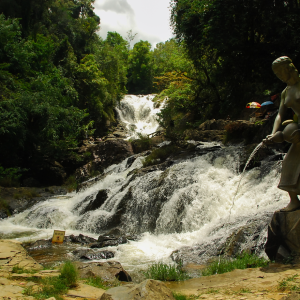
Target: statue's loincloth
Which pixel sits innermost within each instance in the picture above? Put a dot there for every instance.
(290, 180)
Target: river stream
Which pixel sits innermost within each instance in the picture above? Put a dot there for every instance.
(188, 204)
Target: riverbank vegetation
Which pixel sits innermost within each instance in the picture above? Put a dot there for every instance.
(54, 286)
(243, 261)
(166, 272)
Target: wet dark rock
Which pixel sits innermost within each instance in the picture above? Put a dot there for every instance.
(263, 154)
(16, 200)
(108, 271)
(283, 236)
(92, 254)
(205, 136)
(112, 151)
(249, 238)
(161, 167)
(80, 239)
(130, 161)
(50, 173)
(40, 244)
(97, 202)
(120, 134)
(4, 213)
(116, 232)
(214, 124)
(109, 242)
(209, 131)
(31, 182)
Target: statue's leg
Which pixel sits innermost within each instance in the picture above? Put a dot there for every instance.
(294, 203)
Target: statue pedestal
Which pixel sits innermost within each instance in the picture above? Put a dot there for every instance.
(284, 236)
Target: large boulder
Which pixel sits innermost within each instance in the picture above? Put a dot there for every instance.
(210, 130)
(205, 135)
(283, 236)
(214, 124)
(104, 154)
(47, 173)
(108, 271)
(146, 290)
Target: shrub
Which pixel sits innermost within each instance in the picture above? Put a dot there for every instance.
(4, 206)
(71, 183)
(9, 177)
(141, 144)
(160, 155)
(178, 296)
(165, 272)
(69, 274)
(243, 261)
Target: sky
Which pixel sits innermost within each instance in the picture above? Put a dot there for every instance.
(150, 19)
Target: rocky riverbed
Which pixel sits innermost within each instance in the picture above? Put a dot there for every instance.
(263, 283)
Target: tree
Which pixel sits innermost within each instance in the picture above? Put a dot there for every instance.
(239, 40)
(140, 75)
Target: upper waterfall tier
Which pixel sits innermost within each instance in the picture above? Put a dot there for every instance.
(139, 114)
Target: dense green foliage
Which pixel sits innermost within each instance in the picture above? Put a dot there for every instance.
(165, 272)
(58, 78)
(234, 43)
(243, 261)
(60, 82)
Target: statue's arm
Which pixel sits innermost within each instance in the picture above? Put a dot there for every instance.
(277, 136)
(281, 113)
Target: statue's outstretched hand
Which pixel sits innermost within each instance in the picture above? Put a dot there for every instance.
(268, 139)
(295, 136)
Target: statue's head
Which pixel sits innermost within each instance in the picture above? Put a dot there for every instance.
(284, 68)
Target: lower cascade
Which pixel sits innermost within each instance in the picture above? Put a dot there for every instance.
(181, 209)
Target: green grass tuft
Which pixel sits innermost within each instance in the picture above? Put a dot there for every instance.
(71, 183)
(179, 296)
(241, 262)
(288, 284)
(165, 272)
(100, 283)
(54, 286)
(19, 270)
(69, 274)
(27, 193)
(141, 144)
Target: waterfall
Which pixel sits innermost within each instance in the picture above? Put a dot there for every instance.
(138, 114)
(183, 205)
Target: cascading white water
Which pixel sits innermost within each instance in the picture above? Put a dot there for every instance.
(197, 197)
(139, 114)
(184, 205)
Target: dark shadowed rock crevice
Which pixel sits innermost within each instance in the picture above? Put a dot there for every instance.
(104, 155)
